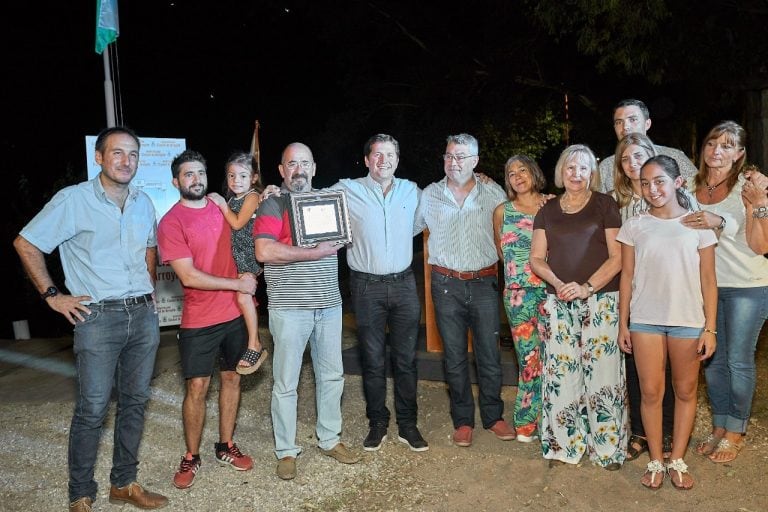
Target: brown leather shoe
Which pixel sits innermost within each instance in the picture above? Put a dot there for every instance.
(81, 505)
(503, 430)
(463, 436)
(286, 468)
(342, 454)
(135, 495)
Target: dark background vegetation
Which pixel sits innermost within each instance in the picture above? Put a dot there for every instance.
(330, 74)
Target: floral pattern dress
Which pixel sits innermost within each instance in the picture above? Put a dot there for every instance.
(524, 298)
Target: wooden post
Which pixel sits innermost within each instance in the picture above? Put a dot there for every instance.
(255, 147)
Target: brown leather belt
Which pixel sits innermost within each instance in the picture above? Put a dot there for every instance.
(488, 271)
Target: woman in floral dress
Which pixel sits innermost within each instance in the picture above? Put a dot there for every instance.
(574, 249)
(524, 291)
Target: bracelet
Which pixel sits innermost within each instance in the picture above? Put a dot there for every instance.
(710, 331)
(761, 212)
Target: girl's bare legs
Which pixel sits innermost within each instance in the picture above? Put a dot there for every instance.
(248, 308)
(684, 361)
(651, 358)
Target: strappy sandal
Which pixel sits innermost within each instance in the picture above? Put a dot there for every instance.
(729, 448)
(254, 358)
(681, 468)
(632, 452)
(655, 469)
(709, 445)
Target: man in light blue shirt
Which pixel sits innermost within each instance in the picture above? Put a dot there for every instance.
(106, 233)
(382, 210)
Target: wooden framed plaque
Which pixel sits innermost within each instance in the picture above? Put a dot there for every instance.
(320, 217)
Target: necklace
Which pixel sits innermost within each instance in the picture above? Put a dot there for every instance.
(528, 209)
(567, 207)
(711, 188)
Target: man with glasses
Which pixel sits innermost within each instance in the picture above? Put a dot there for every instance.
(383, 288)
(632, 116)
(458, 210)
(304, 305)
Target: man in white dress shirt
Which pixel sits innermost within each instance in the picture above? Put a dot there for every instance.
(458, 210)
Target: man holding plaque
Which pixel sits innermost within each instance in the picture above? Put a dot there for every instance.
(458, 210)
(382, 210)
(304, 305)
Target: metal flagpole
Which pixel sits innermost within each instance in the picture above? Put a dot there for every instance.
(109, 97)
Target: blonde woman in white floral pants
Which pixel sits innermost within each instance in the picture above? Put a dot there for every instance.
(574, 249)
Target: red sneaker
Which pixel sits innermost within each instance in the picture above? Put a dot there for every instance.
(463, 436)
(527, 433)
(232, 456)
(185, 476)
(503, 431)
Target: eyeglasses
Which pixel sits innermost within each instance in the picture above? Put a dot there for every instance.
(293, 164)
(459, 158)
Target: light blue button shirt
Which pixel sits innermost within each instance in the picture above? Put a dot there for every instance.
(382, 226)
(102, 249)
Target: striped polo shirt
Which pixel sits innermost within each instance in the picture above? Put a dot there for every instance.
(300, 284)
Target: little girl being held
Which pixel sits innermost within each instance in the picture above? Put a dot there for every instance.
(245, 194)
(668, 288)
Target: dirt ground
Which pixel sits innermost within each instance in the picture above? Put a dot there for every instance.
(495, 475)
(490, 475)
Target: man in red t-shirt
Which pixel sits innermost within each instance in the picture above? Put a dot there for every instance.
(195, 239)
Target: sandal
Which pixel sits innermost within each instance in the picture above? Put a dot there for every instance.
(254, 358)
(632, 452)
(654, 468)
(681, 468)
(708, 446)
(730, 449)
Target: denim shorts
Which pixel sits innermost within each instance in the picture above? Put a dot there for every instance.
(673, 331)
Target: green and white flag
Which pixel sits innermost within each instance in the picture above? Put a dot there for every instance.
(107, 24)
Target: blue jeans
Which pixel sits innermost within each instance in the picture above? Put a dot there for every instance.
(291, 329)
(115, 344)
(730, 374)
(461, 305)
(379, 302)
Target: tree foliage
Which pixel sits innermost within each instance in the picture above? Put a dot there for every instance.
(665, 40)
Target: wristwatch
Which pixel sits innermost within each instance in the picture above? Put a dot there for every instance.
(52, 291)
(590, 288)
(722, 224)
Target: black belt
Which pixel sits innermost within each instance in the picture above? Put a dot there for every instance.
(128, 301)
(386, 278)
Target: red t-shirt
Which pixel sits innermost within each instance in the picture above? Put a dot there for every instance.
(203, 235)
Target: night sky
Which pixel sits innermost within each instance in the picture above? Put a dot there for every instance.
(329, 74)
